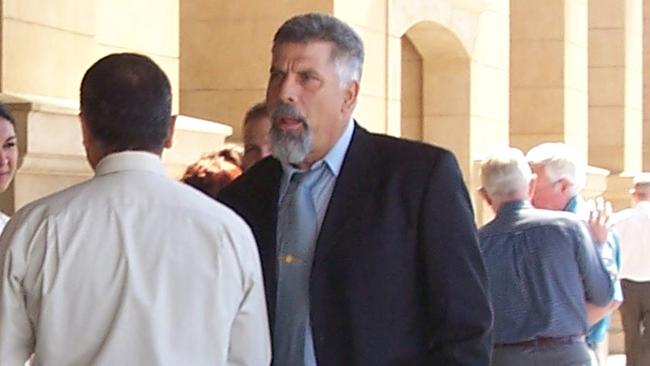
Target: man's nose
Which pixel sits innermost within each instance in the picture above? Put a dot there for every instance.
(288, 89)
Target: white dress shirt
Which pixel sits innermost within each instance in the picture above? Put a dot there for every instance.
(633, 226)
(131, 268)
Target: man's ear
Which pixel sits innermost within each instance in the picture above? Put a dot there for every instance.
(170, 132)
(531, 186)
(94, 152)
(564, 185)
(350, 97)
(486, 197)
(483, 193)
(85, 133)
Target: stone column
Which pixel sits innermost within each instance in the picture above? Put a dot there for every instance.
(645, 150)
(411, 92)
(615, 84)
(548, 73)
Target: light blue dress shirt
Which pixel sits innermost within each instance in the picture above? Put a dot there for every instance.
(322, 193)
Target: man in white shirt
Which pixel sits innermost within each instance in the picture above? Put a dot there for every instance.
(130, 267)
(633, 226)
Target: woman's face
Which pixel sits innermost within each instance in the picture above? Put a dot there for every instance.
(8, 153)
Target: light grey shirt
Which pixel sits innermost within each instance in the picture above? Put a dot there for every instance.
(131, 268)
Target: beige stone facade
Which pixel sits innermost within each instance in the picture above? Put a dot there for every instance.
(469, 75)
(46, 48)
(52, 156)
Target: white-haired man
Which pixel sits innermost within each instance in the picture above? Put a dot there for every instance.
(561, 175)
(542, 269)
(633, 226)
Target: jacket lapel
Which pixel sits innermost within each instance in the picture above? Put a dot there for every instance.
(352, 183)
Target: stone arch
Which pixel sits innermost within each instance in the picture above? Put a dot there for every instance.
(411, 91)
(444, 92)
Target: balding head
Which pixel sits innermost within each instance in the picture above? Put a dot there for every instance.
(641, 190)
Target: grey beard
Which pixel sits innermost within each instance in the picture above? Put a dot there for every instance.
(290, 148)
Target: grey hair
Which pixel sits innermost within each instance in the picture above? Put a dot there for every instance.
(559, 161)
(347, 54)
(505, 172)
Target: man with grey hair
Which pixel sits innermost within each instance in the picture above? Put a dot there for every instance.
(542, 270)
(633, 225)
(561, 175)
(368, 243)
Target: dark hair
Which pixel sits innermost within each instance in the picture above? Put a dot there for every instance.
(126, 103)
(348, 48)
(213, 171)
(4, 113)
(257, 111)
(232, 154)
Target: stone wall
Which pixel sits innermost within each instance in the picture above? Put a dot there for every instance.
(52, 156)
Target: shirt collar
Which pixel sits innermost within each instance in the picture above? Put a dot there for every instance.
(336, 155)
(512, 206)
(643, 205)
(573, 205)
(130, 160)
(333, 159)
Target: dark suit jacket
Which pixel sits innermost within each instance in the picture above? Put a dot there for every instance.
(397, 277)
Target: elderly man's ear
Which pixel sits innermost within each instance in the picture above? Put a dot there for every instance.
(485, 196)
(351, 94)
(564, 185)
(532, 185)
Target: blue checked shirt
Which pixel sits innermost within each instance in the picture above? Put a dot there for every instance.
(542, 269)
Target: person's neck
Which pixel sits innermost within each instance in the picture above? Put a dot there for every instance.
(307, 163)
(644, 201)
(317, 155)
(498, 203)
(95, 157)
